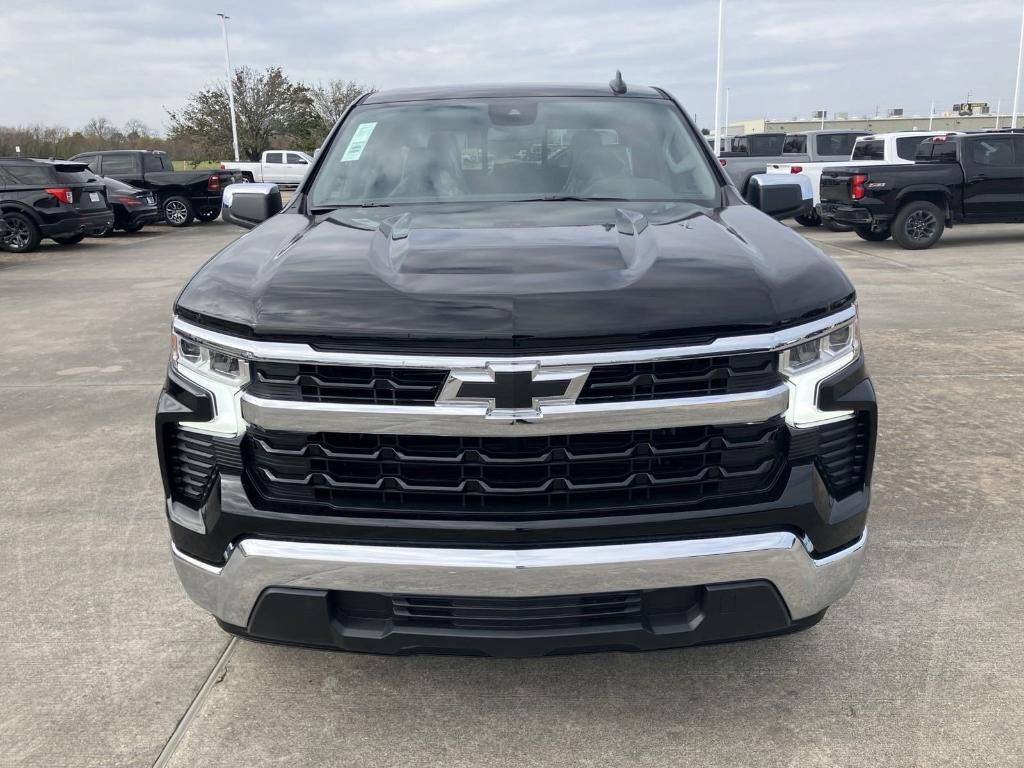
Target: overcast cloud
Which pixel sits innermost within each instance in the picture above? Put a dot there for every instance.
(65, 62)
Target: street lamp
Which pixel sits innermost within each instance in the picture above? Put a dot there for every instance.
(1020, 63)
(718, 77)
(231, 87)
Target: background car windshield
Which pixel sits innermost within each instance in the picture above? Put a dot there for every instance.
(515, 149)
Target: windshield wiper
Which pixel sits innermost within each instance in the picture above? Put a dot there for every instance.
(571, 198)
(316, 210)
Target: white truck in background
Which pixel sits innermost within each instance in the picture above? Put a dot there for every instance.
(277, 166)
(878, 149)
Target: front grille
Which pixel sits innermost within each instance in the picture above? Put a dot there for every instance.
(621, 472)
(316, 383)
(517, 613)
(372, 611)
(696, 377)
(702, 376)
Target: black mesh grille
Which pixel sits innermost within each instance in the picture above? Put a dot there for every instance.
(681, 378)
(317, 383)
(404, 475)
(842, 453)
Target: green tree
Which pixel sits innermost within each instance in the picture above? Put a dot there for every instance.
(268, 105)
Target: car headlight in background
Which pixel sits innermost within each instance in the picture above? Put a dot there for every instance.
(221, 374)
(806, 364)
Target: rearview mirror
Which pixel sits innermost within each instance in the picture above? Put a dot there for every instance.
(781, 195)
(249, 205)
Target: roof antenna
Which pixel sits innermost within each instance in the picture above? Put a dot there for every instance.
(618, 85)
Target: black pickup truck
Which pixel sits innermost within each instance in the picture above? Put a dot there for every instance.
(462, 395)
(183, 196)
(956, 179)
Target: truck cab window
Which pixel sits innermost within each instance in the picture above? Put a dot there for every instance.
(990, 151)
(273, 157)
(795, 145)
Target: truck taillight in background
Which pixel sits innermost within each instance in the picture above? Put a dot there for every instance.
(796, 169)
(222, 167)
(857, 183)
(213, 183)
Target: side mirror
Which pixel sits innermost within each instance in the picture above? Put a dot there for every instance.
(317, 151)
(249, 205)
(781, 195)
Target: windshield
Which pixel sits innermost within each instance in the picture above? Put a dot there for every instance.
(503, 150)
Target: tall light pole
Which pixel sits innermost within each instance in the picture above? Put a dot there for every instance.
(1020, 63)
(718, 75)
(726, 127)
(231, 87)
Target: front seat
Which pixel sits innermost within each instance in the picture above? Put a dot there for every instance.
(593, 165)
(433, 171)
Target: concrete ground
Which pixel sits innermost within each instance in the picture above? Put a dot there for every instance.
(104, 662)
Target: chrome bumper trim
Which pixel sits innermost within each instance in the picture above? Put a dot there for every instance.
(474, 420)
(293, 352)
(807, 585)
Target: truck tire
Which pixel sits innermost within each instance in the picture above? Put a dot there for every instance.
(21, 235)
(69, 239)
(208, 215)
(809, 220)
(918, 225)
(178, 211)
(866, 233)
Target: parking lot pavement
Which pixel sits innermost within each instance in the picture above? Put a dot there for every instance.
(103, 661)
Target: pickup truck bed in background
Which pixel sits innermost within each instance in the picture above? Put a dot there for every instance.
(182, 196)
(277, 166)
(809, 146)
(957, 179)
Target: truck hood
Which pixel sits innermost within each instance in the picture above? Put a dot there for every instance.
(515, 276)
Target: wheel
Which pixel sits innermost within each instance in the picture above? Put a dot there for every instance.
(834, 226)
(918, 225)
(69, 239)
(21, 235)
(809, 220)
(208, 215)
(178, 211)
(132, 228)
(866, 233)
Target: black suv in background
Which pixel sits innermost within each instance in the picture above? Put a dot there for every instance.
(183, 196)
(61, 200)
(517, 372)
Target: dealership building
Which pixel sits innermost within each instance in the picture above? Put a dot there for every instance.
(973, 116)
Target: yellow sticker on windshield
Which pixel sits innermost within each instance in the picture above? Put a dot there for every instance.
(355, 147)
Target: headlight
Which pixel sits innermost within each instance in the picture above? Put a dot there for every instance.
(218, 372)
(807, 363)
(207, 361)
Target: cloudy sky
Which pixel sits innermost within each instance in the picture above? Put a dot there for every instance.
(66, 61)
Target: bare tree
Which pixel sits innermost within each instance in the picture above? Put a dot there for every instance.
(330, 101)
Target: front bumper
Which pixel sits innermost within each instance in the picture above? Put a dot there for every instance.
(281, 591)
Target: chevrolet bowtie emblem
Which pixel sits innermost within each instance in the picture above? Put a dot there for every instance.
(513, 390)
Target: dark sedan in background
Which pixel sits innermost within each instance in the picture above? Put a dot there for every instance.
(133, 207)
(61, 200)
